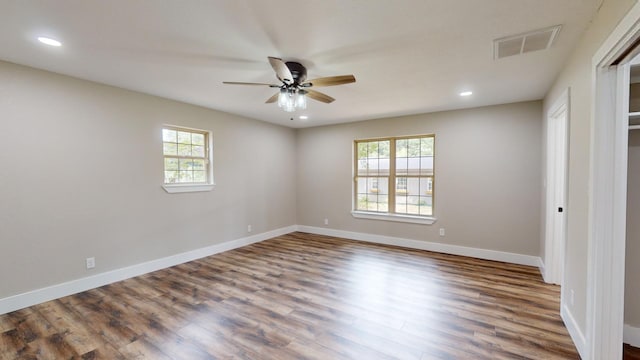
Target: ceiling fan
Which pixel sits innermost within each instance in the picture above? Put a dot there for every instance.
(294, 88)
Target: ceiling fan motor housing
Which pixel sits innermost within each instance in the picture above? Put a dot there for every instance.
(298, 71)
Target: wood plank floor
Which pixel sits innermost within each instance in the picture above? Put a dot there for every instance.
(631, 353)
(303, 296)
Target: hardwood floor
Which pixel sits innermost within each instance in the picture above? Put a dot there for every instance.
(631, 353)
(303, 296)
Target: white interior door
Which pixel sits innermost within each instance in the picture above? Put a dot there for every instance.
(556, 190)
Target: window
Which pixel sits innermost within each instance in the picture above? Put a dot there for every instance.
(394, 176)
(401, 185)
(374, 186)
(186, 159)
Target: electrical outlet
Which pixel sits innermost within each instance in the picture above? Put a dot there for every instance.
(326, 221)
(91, 262)
(249, 228)
(441, 231)
(572, 297)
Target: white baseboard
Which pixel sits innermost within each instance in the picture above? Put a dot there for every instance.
(632, 335)
(38, 296)
(574, 330)
(429, 246)
(542, 269)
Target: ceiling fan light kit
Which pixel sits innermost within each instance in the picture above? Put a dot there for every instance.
(290, 99)
(294, 90)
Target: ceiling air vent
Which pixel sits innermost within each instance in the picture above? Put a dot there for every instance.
(523, 43)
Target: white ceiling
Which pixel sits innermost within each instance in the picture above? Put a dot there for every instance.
(408, 56)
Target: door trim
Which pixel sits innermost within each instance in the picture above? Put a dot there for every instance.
(608, 190)
(554, 250)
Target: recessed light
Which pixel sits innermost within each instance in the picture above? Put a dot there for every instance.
(466, 93)
(303, 117)
(49, 41)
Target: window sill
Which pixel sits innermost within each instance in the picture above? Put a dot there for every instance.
(183, 188)
(425, 220)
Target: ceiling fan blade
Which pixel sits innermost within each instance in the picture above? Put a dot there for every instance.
(248, 83)
(332, 80)
(316, 95)
(272, 99)
(282, 71)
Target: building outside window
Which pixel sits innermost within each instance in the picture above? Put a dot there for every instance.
(401, 185)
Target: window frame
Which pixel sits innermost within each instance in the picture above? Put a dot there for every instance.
(391, 215)
(209, 184)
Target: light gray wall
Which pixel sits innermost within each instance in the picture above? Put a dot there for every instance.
(81, 173)
(576, 75)
(487, 171)
(632, 284)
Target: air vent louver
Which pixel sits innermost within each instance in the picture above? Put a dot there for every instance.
(523, 43)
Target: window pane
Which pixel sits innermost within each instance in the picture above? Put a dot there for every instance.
(170, 149)
(383, 203)
(373, 165)
(402, 166)
(199, 176)
(413, 203)
(198, 165)
(426, 165)
(362, 203)
(383, 185)
(426, 146)
(184, 150)
(170, 164)
(362, 150)
(377, 203)
(170, 177)
(363, 158)
(426, 186)
(373, 157)
(372, 194)
(184, 137)
(197, 139)
(372, 185)
(197, 151)
(186, 176)
(401, 204)
(362, 185)
(413, 165)
(383, 165)
(186, 164)
(414, 147)
(426, 205)
(373, 203)
(362, 166)
(401, 186)
(372, 151)
(169, 135)
(401, 148)
(383, 149)
(413, 186)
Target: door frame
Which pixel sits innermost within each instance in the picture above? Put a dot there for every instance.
(555, 246)
(608, 189)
